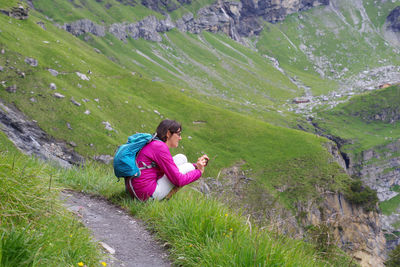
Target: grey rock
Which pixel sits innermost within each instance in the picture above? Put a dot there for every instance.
(53, 72)
(58, 95)
(147, 29)
(33, 100)
(31, 61)
(72, 143)
(28, 137)
(41, 24)
(97, 50)
(83, 26)
(106, 159)
(12, 88)
(53, 86)
(75, 102)
(1, 68)
(19, 12)
(107, 125)
(165, 25)
(393, 20)
(3, 51)
(69, 126)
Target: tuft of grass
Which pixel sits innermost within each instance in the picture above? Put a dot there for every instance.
(31, 216)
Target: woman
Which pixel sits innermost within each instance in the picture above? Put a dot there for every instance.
(170, 173)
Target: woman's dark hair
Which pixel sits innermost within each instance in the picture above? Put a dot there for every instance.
(164, 126)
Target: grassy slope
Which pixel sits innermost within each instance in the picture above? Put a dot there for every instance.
(231, 137)
(353, 121)
(336, 42)
(100, 12)
(199, 231)
(31, 215)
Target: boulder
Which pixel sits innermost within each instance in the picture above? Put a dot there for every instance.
(75, 102)
(31, 61)
(53, 86)
(58, 95)
(12, 88)
(106, 159)
(53, 72)
(82, 76)
(41, 24)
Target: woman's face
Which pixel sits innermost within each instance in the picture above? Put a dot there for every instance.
(173, 139)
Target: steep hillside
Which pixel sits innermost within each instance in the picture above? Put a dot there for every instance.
(367, 129)
(93, 90)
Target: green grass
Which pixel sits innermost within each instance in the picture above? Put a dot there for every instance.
(277, 157)
(356, 120)
(31, 216)
(201, 231)
(389, 206)
(101, 12)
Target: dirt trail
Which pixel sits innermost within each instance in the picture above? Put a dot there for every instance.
(116, 230)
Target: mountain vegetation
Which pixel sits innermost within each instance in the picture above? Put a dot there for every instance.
(234, 99)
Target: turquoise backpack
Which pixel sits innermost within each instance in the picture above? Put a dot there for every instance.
(125, 158)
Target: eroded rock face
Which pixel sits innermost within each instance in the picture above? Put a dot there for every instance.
(271, 11)
(379, 170)
(235, 19)
(83, 26)
(356, 231)
(393, 20)
(28, 137)
(19, 12)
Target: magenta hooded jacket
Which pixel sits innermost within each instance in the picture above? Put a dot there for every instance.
(158, 152)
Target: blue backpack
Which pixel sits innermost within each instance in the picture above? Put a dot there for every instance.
(125, 158)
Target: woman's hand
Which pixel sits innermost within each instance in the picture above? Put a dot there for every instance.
(202, 162)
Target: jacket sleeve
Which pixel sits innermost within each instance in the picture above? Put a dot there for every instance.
(167, 165)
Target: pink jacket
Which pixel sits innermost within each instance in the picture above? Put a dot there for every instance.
(158, 152)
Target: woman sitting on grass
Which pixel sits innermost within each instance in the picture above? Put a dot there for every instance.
(171, 173)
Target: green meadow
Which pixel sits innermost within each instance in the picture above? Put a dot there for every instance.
(231, 101)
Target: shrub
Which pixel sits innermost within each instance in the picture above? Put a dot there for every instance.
(394, 258)
(362, 195)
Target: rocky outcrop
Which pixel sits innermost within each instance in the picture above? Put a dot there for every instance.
(379, 170)
(220, 17)
(391, 29)
(393, 20)
(236, 19)
(354, 230)
(19, 12)
(83, 26)
(271, 11)
(29, 138)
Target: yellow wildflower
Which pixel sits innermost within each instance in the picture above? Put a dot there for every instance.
(80, 264)
(103, 263)
(226, 214)
(231, 229)
(190, 245)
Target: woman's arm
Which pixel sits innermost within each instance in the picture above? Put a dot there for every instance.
(166, 163)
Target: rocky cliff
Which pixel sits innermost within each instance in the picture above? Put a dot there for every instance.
(348, 225)
(236, 19)
(354, 230)
(379, 168)
(392, 26)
